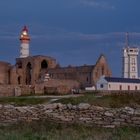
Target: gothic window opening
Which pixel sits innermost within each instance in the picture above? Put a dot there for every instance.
(102, 70)
(28, 74)
(87, 79)
(19, 80)
(19, 65)
(44, 64)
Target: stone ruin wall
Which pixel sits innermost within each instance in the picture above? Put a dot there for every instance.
(50, 87)
(70, 114)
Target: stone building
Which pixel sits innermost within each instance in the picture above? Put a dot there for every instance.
(86, 75)
(32, 70)
(29, 70)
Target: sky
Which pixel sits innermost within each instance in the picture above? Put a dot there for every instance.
(75, 32)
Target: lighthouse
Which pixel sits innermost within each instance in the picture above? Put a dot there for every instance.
(130, 60)
(25, 39)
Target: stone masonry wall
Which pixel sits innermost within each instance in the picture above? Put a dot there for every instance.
(81, 114)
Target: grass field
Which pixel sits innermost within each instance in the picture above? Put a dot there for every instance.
(22, 101)
(50, 131)
(114, 101)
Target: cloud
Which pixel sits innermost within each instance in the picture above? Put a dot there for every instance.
(61, 35)
(54, 35)
(98, 4)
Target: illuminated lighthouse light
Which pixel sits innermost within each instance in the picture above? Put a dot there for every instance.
(24, 33)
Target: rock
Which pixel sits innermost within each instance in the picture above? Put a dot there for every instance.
(21, 109)
(109, 114)
(60, 106)
(85, 119)
(48, 111)
(53, 106)
(137, 112)
(84, 106)
(69, 106)
(128, 110)
(109, 126)
(74, 107)
(98, 108)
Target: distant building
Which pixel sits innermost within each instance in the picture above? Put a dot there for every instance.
(86, 75)
(130, 61)
(113, 83)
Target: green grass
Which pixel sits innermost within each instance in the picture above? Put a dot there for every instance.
(22, 101)
(115, 100)
(50, 131)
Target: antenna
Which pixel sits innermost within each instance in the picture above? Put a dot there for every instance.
(127, 40)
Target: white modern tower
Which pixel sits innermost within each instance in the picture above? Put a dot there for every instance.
(130, 60)
(25, 39)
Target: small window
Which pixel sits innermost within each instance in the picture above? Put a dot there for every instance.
(102, 70)
(109, 86)
(19, 80)
(133, 69)
(120, 87)
(87, 79)
(136, 88)
(128, 87)
(101, 86)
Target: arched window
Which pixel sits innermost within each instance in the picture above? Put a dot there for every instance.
(102, 70)
(19, 80)
(28, 74)
(19, 64)
(44, 64)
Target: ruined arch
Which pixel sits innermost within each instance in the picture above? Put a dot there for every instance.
(44, 64)
(28, 73)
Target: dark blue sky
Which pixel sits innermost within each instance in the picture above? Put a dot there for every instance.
(75, 32)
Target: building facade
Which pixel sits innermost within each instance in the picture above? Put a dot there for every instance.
(130, 62)
(86, 75)
(118, 84)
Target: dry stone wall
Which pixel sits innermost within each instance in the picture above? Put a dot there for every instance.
(81, 114)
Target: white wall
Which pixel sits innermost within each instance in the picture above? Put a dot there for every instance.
(102, 84)
(116, 86)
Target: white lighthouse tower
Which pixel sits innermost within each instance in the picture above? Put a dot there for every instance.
(130, 60)
(25, 39)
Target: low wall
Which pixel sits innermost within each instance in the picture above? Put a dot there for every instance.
(81, 114)
(12, 90)
(56, 86)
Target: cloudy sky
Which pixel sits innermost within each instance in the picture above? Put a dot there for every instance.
(75, 32)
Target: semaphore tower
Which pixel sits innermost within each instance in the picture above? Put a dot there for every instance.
(25, 39)
(130, 60)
